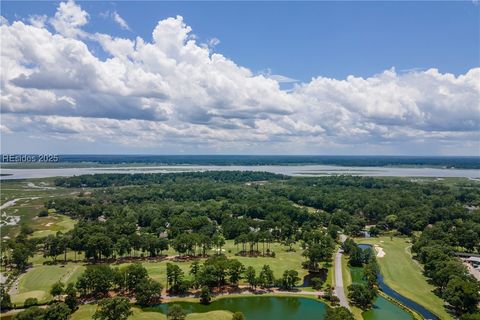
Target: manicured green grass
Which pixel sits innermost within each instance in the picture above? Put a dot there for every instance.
(330, 278)
(347, 280)
(158, 270)
(139, 314)
(39, 259)
(51, 224)
(404, 275)
(84, 312)
(212, 315)
(357, 274)
(346, 277)
(36, 282)
(283, 260)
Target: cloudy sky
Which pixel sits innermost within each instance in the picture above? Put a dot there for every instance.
(240, 78)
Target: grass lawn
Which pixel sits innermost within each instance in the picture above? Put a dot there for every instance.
(347, 280)
(356, 274)
(36, 282)
(330, 279)
(158, 270)
(85, 312)
(39, 259)
(404, 275)
(50, 225)
(283, 260)
(212, 315)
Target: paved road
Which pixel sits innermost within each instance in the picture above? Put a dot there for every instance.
(339, 291)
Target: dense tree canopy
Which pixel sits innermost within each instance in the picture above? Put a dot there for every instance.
(339, 313)
(140, 215)
(117, 308)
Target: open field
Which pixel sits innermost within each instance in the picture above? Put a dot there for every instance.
(404, 275)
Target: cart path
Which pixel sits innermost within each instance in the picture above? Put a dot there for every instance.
(339, 290)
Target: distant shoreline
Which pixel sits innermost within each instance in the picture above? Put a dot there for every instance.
(303, 170)
(102, 161)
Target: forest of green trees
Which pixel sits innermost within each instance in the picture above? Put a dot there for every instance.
(195, 212)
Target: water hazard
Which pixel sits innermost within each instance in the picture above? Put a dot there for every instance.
(259, 308)
(397, 296)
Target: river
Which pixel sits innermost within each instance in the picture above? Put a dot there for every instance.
(291, 170)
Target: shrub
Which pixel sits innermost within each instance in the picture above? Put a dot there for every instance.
(317, 283)
(29, 302)
(43, 213)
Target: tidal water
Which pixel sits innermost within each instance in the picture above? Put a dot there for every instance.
(291, 170)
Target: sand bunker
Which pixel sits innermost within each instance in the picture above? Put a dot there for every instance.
(379, 250)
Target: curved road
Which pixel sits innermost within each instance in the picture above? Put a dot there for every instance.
(339, 290)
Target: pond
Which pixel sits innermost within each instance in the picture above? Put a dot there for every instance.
(259, 308)
(394, 294)
(382, 308)
(307, 279)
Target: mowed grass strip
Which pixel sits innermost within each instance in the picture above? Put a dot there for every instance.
(84, 312)
(404, 275)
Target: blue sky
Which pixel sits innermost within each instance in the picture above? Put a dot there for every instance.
(307, 39)
(352, 77)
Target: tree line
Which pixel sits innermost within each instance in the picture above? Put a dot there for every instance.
(435, 249)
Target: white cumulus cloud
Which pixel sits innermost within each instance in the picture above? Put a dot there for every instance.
(69, 18)
(174, 91)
